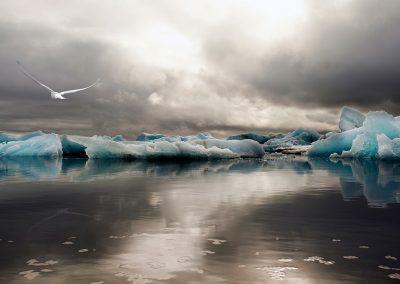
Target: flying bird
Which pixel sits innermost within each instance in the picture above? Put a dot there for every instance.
(54, 94)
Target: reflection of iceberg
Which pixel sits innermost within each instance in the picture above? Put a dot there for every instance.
(86, 170)
(30, 168)
(201, 147)
(377, 181)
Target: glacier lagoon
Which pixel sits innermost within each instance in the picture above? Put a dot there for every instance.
(270, 220)
(198, 209)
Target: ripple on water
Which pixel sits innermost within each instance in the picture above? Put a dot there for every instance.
(133, 277)
(184, 259)
(155, 264)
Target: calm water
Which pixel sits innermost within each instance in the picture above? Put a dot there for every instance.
(245, 221)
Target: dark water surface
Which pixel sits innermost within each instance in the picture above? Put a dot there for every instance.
(242, 221)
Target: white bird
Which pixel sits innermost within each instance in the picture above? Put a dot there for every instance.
(54, 94)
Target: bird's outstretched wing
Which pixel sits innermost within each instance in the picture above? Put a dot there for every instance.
(78, 90)
(33, 78)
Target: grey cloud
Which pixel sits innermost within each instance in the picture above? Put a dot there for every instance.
(342, 55)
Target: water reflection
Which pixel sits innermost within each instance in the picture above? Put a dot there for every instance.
(236, 221)
(377, 181)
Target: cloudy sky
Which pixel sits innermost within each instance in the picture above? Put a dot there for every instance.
(189, 66)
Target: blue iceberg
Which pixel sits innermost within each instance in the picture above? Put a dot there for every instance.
(43, 145)
(378, 137)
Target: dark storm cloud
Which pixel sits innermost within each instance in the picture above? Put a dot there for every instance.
(343, 54)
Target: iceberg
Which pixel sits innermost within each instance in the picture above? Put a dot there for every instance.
(196, 147)
(378, 137)
(102, 147)
(350, 118)
(44, 145)
(4, 137)
(298, 137)
(334, 143)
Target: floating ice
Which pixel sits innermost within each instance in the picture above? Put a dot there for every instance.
(216, 241)
(390, 257)
(285, 260)
(30, 274)
(394, 276)
(35, 262)
(319, 259)
(377, 138)
(350, 118)
(200, 146)
(45, 145)
(205, 252)
(350, 257)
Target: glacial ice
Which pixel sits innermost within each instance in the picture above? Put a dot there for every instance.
(350, 118)
(298, 137)
(377, 138)
(104, 147)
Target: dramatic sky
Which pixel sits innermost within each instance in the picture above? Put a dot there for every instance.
(189, 66)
